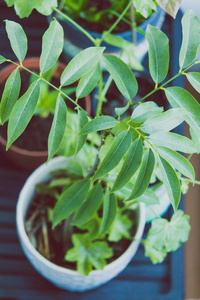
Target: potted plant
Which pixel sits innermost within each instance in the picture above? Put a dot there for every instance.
(128, 151)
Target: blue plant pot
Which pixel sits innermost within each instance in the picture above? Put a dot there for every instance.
(76, 37)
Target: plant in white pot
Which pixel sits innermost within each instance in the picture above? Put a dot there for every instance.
(129, 152)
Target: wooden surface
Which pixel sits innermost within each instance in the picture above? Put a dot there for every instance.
(192, 247)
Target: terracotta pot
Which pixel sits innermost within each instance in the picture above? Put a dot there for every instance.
(26, 159)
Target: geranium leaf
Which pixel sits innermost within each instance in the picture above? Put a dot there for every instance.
(58, 127)
(173, 141)
(145, 7)
(52, 46)
(109, 212)
(120, 228)
(181, 98)
(171, 182)
(144, 175)
(99, 123)
(194, 79)
(90, 206)
(24, 8)
(191, 39)
(166, 236)
(88, 82)
(88, 254)
(22, 112)
(165, 121)
(178, 161)
(131, 164)
(83, 120)
(18, 39)
(70, 200)
(81, 64)
(122, 75)
(158, 53)
(144, 111)
(10, 95)
(117, 150)
(170, 6)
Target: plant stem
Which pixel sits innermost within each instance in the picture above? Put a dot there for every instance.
(119, 18)
(85, 32)
(50, 84)
(101, 97)
(191, 181)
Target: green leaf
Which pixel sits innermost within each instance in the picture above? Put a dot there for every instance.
(70, 200)
(191, 39)
(144, 176)
(173, 141)
(10, 95)
(194, 79)
(171, 182)
(88, 82)
(58, 127)
(158, 53)
(90, 206)
(109, 212)
(144, 111)
(52, 46)
(121, 228)
(170, 6)
(166, 236)
(145, 7)
(181, 98)
(178, 161)
(83, 120)
(2, 59)
(155, 255)
(165, 121)
(121, 110)
(88, 254)
(131, 164)
(149, 198)
(99, 123)
(81, 64)
(117, 150)
(24, 8)
(122, 75)
(18, 39)
(195, 138)
(22, 112)
(75, 167)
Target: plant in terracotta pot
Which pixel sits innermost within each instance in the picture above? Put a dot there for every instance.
(127, 152)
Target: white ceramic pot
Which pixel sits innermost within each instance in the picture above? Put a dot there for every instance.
(59, 276)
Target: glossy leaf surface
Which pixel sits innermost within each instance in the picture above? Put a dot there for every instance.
(131, 164)
(117, 150)
(22, 112)
(52, 46)
(171, 182)
(158, 53)
(81, 64)
(122, 75)
(10, 95)
(90, 206)
(58, 127)
(191, 39)
(144, 175)
(70, 200)
(165, 121)
(99, 123)
(18, 39)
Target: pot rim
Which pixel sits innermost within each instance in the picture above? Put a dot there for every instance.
(22, 233)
